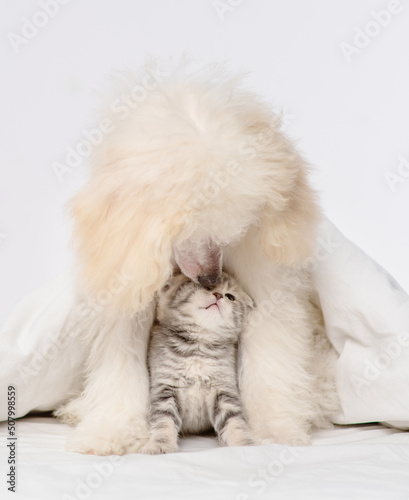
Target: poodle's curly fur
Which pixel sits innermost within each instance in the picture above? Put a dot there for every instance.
(196, 173)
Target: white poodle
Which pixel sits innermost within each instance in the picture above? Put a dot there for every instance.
(193, 170)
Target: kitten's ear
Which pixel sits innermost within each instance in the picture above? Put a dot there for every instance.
(176, 271)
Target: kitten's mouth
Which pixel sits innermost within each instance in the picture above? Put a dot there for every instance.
(211, 305)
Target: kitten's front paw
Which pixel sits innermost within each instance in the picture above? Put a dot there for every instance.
(240, 441)
(237, 435)
(153, 447)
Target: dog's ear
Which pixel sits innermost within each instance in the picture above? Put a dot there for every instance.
(288, 232)
(123, 244)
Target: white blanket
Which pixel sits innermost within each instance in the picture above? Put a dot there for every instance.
(360, 463)
(366, 315)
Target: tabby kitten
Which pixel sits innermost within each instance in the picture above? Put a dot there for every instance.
(192, 363)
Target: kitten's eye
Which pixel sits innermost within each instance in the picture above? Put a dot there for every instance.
(165, 288)
(230, 296)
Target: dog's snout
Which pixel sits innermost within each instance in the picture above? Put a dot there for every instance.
(209, 281)
(201, 261)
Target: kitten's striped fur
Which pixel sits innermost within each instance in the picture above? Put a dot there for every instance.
(192, 363)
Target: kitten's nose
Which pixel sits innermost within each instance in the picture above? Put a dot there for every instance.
(217, 295)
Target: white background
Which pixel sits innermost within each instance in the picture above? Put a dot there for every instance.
(350, 118)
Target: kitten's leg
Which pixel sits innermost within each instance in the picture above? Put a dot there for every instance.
(228, 419)
(165, 421)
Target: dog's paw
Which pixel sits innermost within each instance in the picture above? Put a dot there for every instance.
(301, 439)
(107, 439)
(154, 447)
(284, 431)
(96, 445)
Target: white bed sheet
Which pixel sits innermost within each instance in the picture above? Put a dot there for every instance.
(355, 462)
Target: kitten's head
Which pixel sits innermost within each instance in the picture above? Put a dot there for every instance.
(221, 309)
